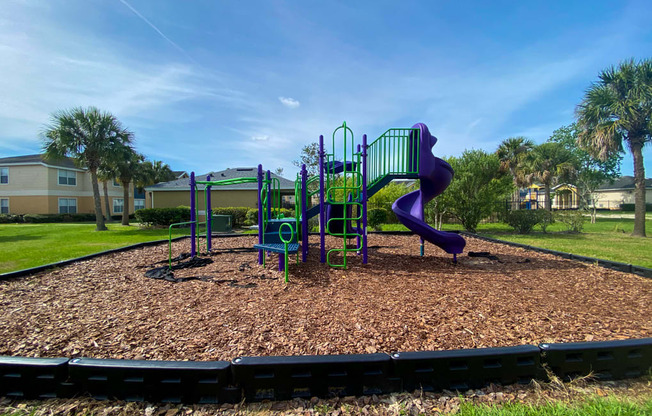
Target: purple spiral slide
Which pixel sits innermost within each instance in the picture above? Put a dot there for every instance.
(435, 175)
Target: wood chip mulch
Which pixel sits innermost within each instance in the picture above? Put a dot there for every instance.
(107, 308)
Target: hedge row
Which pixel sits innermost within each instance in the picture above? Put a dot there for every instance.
(45, 218)
(630, 207)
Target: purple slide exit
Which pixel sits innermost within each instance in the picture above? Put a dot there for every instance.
(435, 175)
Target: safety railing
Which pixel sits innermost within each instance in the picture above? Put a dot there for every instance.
(395, 152)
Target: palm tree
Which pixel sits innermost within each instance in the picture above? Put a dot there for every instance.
(105, 175)
(87, 135)
(512, 152)
(161, 172)
(550, 163)
(126, 168)
(617, 108)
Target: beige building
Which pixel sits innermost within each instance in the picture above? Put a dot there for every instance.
(34, 185)
(176, 193)
(621, 191)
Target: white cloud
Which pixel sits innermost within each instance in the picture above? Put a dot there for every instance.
(260, 138)
(289, 102)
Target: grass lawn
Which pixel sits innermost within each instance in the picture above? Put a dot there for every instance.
(608, 238)
(30, 245)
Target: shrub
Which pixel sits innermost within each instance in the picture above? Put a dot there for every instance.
(376, 216)
(252, 216)
(524, 220)
(163, 216)
(42, 218)
(574, 220)
(630, 207)
(10, 218)
(118, 217)
(547, 218)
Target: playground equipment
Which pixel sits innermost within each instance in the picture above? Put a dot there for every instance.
(346, 181)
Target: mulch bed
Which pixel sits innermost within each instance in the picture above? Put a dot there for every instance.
(107, 308)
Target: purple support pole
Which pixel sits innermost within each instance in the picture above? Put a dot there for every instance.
(304, 214)
(193, 217)
(359, 252)
(364, 199)
(281, 262)
(269, 196)
(209, 217)
(322, 212)
(260, 213)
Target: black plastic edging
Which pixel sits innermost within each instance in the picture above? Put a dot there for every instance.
(283, 378)
(608, 264)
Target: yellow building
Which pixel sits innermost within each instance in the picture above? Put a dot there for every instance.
(621, 191)
(563, 196)
(32, 184)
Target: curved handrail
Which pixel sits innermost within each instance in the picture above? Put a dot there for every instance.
(285, 244)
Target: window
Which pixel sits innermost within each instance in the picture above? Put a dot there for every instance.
(67, 177)
(118, 205)
(67, 206)
(116, 183)
(4, 175)
(139, 204)
(4, 206)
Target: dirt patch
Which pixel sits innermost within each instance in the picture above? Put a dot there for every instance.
(107, 308)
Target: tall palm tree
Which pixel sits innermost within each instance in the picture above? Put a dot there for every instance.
(126, 168)
(105, 175)
(161, 172)
(87, 135)
(617, 108)
(512, 154)
(550, 163)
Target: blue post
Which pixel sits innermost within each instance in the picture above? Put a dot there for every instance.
(304, 214)
(364, 199)
(322, 212)
(260, 213)
(209, 217)
(193, 225)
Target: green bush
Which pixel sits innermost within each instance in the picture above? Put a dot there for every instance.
(10, 218)
(118, 217)
(252, 216)
(547, 218)
(42, 218)
(574, 220)
(524, 220)
(376, 216)
(163, 216)
(630, 207)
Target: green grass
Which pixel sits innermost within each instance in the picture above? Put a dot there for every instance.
(608, 238)
(595, 406)
(30, 245)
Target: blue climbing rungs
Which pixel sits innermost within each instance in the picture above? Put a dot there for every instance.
(278, 248)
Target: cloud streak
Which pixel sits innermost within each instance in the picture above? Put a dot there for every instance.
(289, 102)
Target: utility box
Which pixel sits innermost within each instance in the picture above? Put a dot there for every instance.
(221, 223)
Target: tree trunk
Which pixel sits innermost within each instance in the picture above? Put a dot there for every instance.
(107, 207)
(125, 206)
(548, 204)
(636, 146)
(99, 219)
(516, 196)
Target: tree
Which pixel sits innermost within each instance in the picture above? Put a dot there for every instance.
(128, 166)
(616, 109)
(104, 175)
(159, 172)
(310, 157)
(591, 171)
(550, 163)
(478, 184)
(512, 154)
(87, 135)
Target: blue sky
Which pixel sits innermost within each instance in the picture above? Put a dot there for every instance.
(207, 85)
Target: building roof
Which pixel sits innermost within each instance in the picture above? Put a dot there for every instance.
(183, 184)
(623, 183)
(180, 174)
(65, 162)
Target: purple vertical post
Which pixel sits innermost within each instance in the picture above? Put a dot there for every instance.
(322, 213)
(209, 217)
(357, 223)
(260, 212)
(364, 199)
(269, 195)
(304, 213)
(193, 217)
